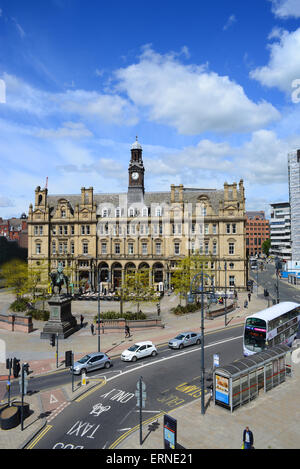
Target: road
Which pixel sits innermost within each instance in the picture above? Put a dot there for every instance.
(103, 417)
(267, 280)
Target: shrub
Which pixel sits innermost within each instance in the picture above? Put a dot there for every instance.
(21, 304)
(116, 315)
(189, 308)
(39, 314)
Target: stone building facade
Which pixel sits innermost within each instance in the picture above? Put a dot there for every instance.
(101, 236)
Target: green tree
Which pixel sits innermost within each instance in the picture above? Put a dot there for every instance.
(15, 275)
(185, 271)
(137, 287)
(266, 246)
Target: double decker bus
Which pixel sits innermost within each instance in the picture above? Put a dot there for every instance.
(272, 326)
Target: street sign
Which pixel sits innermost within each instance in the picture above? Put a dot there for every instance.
(139, 394)
(138, 386)
(216, 359)
(138, 402)
(25, 383)
(170, 432)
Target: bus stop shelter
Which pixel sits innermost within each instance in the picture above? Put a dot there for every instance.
(240, 381)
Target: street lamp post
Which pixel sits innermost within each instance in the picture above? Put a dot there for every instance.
(98, 313)
(225, 266)
(194, 291)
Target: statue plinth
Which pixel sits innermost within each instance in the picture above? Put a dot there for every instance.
(61, 321)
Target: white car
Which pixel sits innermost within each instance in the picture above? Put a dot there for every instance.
(139, 350)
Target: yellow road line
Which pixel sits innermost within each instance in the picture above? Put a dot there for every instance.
(83, 396)
(39, 437)
(125, 435)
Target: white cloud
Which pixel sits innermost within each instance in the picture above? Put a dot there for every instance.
(284, 62)
(189, 97)
(286, 8)
(19, 28)
(109, 108)
(6, 202)
(229, 22)
(69, 130)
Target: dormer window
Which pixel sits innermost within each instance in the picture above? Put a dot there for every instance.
(158, 211)
(104, 213)
(63, 213)
(118, 212)
(145, 212)
(131, 212)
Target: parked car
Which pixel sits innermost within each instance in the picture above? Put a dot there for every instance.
(184, 339)
(139, 350)
(91, 362)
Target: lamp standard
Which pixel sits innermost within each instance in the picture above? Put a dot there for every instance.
(194, 290)
(98, 321)
(225, 299)
(225, 296)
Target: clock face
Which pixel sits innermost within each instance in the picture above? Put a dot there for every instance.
(135, 176)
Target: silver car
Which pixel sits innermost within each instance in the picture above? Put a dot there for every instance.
(184, 339)
(91, 362)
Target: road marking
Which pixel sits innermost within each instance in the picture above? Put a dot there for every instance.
(53, 399)
(80, 398)
(122, 437)
(175, 356)
(39, 437)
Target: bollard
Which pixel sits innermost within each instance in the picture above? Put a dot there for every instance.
(83, 379)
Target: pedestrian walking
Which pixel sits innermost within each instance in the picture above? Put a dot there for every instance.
(246, 304)
(248, 439)
(127, 331)
(92, 329)
(249, 297)
(81, 320)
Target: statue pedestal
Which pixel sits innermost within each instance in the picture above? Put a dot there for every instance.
(61, 321)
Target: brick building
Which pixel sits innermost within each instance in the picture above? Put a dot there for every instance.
(15, 229)
(257, 231)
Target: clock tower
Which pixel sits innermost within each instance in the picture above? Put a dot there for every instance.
(136, 172)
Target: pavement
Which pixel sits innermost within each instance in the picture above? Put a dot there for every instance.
(272, 417)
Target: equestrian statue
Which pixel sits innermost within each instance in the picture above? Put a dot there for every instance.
(58, 279)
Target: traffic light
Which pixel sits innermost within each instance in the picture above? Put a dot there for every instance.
(68, 358)
(52, 340)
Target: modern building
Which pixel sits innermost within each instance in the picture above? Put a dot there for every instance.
(99, 237)
(257, 231)
(280, 231)
(294, 196)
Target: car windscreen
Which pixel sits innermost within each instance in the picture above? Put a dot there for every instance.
(133, 348)
(180, 337)
(84, 359)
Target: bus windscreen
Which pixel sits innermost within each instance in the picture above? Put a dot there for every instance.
(255, 335)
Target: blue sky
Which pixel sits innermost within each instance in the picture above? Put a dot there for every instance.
(206, 86)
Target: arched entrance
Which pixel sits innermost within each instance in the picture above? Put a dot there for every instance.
(103, 271)
(116, 272)
(158, 272)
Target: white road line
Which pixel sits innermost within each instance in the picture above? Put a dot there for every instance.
(175, 356)
(150, 411)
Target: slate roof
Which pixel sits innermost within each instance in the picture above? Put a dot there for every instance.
(190, 195)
